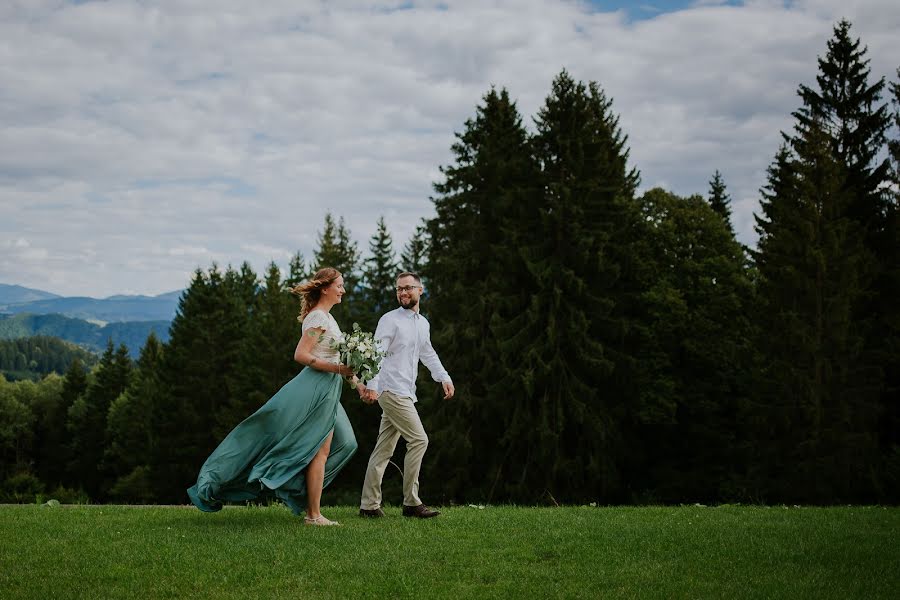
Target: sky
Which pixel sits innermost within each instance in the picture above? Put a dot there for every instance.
(141, 140)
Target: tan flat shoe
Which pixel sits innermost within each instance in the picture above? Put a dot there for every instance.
(320, 520)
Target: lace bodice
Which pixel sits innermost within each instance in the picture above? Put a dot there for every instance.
(319, 319)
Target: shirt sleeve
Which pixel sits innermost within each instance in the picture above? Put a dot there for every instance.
(384, 335)
(315, 320)
(430, 359)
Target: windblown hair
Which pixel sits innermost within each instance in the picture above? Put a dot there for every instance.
(311, 291)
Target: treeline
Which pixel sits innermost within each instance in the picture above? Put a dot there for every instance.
(34, 357)
(84, 333)
(606, 345)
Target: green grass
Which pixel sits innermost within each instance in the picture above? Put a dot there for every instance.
(498, 552)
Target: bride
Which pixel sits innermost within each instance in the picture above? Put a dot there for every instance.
(298, 440)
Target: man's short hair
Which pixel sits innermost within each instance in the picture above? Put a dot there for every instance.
(410, 274)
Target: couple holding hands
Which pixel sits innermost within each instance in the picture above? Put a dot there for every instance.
(301, 438)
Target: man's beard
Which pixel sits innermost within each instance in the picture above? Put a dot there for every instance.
(409, 304)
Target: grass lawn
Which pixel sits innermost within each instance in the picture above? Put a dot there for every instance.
(497, 552)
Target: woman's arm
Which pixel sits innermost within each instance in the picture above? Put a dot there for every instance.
(303, 354)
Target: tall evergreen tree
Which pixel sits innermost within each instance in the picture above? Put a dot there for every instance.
(415, 253)
(846, 109)
(719, 199)
(337, 249)
(131, 437)
(888, 326)
(816, 399)
(471, 276)
(53, 453)
(297, 271)
(200, 375)
(380, 275)
(87, 420)
(266, 353)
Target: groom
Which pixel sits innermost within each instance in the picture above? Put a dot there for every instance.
(405, 335)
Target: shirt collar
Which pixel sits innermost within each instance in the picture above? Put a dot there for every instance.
(409, 313)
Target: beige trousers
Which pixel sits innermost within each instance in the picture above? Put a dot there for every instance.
(399, 417)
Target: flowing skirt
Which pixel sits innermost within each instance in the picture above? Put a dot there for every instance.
(269, 451)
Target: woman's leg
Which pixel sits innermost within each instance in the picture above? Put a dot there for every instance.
(315, 476)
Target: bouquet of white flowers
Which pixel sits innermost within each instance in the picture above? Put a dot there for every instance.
(359, 351)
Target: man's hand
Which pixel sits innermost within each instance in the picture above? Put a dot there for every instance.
(449, 390)
(370, 396)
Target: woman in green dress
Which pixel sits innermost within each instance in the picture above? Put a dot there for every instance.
(297, 441)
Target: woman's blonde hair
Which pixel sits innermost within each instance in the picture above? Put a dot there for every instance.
(311, 291)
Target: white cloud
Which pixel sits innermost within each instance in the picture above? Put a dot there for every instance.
(139, 141)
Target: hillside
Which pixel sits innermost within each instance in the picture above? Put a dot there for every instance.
(35, 357)
(16, 294)
(81, 332)
(112, 309)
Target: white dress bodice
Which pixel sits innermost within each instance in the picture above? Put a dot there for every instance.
(324, 350)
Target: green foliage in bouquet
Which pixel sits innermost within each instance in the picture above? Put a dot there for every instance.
(360, 352)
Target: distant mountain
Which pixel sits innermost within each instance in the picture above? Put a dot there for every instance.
(115, 309)
(16, 294)
(83, 333)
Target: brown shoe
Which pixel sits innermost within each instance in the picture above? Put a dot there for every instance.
(371, 513)
(421, 511)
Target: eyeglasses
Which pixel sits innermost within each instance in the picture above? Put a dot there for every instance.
(408, 288)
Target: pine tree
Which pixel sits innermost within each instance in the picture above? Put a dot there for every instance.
(87, 420)
(266, 353)
(337, 249)
(297, 271)
(380, 276)
(888, 326)
(471, 277)
(719, 199)
(131, 437)
(53, 453)
(815, 406)
(200, 375)
(846, 109)
(415, 253)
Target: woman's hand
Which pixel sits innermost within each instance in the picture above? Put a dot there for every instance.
(344, 371)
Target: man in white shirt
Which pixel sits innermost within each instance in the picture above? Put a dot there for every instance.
(406, 336)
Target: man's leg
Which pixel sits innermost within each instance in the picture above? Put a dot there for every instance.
(405, 418)
(378, 461)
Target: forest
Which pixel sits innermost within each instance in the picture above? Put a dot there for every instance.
(607, 345)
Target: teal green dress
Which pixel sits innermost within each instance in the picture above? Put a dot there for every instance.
(268, 452)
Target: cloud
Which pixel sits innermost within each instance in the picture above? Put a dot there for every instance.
(143, 140)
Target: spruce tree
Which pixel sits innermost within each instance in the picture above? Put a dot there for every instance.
(473, 282)
(131, 437)
(846, 109)
(337, 249)
(200, 375)
(380, 276)
(53, 454)
(266, 353)
(87, 420)
(815, 406)
(297, 271)
(415, 253)
(719, 199)
(888, 326)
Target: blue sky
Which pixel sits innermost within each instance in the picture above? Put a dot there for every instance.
(140, 140)
(638, 11)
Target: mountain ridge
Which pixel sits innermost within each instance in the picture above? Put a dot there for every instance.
(15, 299)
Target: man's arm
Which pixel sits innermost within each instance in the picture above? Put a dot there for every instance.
(431, 360)
(384, 335)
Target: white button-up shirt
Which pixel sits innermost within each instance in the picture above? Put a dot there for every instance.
(406, 336)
